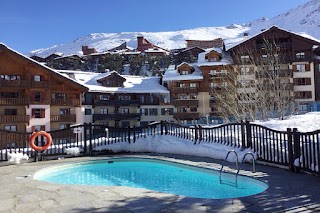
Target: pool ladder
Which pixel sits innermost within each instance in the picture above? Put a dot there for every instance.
(237, 165)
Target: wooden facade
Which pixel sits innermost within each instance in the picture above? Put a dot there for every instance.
(27, 87)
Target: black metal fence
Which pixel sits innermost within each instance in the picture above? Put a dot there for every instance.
(296, 150)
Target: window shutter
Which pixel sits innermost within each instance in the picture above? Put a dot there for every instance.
(294, 68)
(308, 81)
(33, 94)
(43, 128)
(42, 96)
(307, 67)
(33, 113)
(43, 113)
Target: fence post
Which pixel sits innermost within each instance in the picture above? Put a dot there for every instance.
(85, 126)
(166, 124)
(161, 127)
(129, 134)
(200, 133)
(243, 135)
(90, 139)
(249, 134)
(296, 147)
(134, 134)
(195, 134)
(290, 150)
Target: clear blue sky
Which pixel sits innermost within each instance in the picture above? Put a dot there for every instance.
(27, 25)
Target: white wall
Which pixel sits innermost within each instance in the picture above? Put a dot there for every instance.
(38, 121)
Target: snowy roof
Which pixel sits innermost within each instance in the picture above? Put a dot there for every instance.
(202, 61)
(133, 84)
(55, 72)
(231, 43)
(172, 74)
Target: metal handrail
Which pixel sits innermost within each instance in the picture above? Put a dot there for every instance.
(237, 162)
(242, 161)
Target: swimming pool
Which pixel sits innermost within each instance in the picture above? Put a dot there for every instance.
(152, 174)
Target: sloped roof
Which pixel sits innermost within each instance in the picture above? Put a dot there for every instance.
(44, 67)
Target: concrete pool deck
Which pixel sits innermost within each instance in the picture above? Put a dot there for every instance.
(19, 192)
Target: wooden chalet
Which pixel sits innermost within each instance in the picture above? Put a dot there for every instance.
(33, 96)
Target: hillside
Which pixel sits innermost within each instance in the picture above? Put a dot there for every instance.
(305, 18)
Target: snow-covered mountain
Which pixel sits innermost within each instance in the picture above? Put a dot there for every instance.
(305, 18)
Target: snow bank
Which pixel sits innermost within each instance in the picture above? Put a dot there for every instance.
(17, 158)
(74, 151)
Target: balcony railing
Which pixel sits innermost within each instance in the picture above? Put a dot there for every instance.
(14, 118)
(117, 116)
(14, 101)
(185, 89)
(186, 115)
(117, 102)
(14, 83)
(63, 118)
(65, 102)
(185, 102)
(39, 84)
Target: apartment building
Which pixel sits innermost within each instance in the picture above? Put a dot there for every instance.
(123, 100)
(35, 97)
(293, 55)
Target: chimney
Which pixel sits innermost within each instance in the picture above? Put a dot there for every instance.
(245, 34)
(140, 40)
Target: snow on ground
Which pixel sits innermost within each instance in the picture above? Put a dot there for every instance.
(304, 123)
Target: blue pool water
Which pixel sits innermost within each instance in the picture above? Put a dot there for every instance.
(157, 175)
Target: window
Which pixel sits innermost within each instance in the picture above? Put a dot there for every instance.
(300, 55)
(184, 72)
(224, 84)
(10, 111)
(64, 112)
(193, 109)
(213, 72)
(142, 99)
(182, 85)
(303, 95)
(36, 78)
(9, 95)
(124, 97)
(193, 96)
(193, 85)
(153, 111)
(38, 113)
(167, 111)
(213, 84)
(64, 126)
(302, 81)
(125, 124)
(182, 109)
(303, 107)
(212, 59)
(182, 96)
(301, 67)
(125, 111)
(60, 96)
(104, 97)
(244, 70)
(144, 111)
(244, 58)
(10, 77)
(88, 111)
(38, 128)
(103, 111)
(10, 127)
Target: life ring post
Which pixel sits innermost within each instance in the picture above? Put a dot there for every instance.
(40, 149)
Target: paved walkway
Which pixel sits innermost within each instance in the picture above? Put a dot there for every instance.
(19, 192)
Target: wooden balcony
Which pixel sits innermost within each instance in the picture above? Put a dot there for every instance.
(186, 115)
(117, 116)
(39, 84)
(14, 83)
(185, 102)
(63, 118)
(185, 89)
(14, 119)
(13, 101)
(117, 103)
(65, 102)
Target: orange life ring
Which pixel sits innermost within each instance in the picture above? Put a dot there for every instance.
(40, 148)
